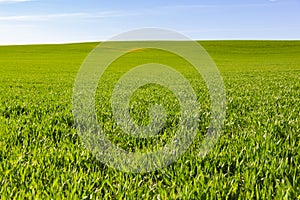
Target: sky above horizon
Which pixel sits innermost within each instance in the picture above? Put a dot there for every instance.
(63, 21)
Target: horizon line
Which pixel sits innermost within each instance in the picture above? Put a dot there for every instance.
(101, 41)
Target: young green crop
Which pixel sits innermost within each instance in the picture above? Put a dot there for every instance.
(257, 156)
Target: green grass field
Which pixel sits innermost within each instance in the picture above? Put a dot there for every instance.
(256, 157)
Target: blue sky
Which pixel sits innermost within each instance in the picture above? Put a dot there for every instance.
(62, 21)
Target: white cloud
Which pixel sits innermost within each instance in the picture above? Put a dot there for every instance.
(47, 17)
(39, 17)
(14, 1)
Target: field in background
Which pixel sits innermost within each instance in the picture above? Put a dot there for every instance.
(258, 155)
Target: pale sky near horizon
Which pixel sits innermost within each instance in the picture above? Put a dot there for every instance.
(63, 21)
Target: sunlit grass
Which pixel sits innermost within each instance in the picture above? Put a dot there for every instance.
(257, 156)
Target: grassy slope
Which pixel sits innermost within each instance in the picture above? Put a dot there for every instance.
(257, 156)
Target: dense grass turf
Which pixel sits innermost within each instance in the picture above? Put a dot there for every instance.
(257, 156)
